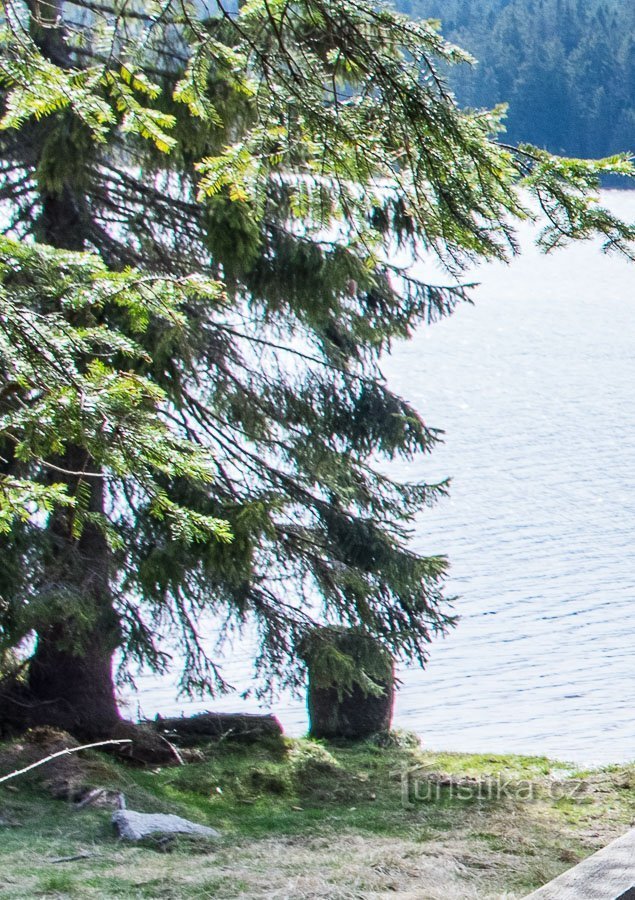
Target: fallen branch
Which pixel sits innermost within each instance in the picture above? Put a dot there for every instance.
(64, 859)
(242, 727)
(66, 752)
(173, 750)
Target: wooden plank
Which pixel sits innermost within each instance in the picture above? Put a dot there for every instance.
(607, 875)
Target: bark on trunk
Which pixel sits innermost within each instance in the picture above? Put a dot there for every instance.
(70, 676)
(73, 691)
(353, 715)
(338, 709)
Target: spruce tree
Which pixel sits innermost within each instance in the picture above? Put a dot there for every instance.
(257, 171)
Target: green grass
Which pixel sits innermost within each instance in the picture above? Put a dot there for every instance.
(329, 821)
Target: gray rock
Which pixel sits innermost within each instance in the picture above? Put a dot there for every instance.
(134, 826)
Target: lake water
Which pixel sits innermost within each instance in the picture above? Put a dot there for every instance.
(535, 389)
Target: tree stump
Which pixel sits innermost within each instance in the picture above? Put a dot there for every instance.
(351, 684)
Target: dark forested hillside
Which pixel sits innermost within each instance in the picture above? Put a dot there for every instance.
(566, 67)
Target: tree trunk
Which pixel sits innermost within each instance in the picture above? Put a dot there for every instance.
(73, 691)
(353, 715)
(70, 678)
(339, 708)
(70, 681)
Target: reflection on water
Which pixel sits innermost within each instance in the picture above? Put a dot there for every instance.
(535, 388)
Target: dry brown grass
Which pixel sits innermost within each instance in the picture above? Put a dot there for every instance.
(351, 867)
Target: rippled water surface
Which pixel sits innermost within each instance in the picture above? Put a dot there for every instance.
(535, 389)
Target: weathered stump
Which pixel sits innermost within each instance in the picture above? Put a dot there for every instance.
(351, 684)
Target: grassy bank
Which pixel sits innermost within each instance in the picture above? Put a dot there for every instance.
(309, 820)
